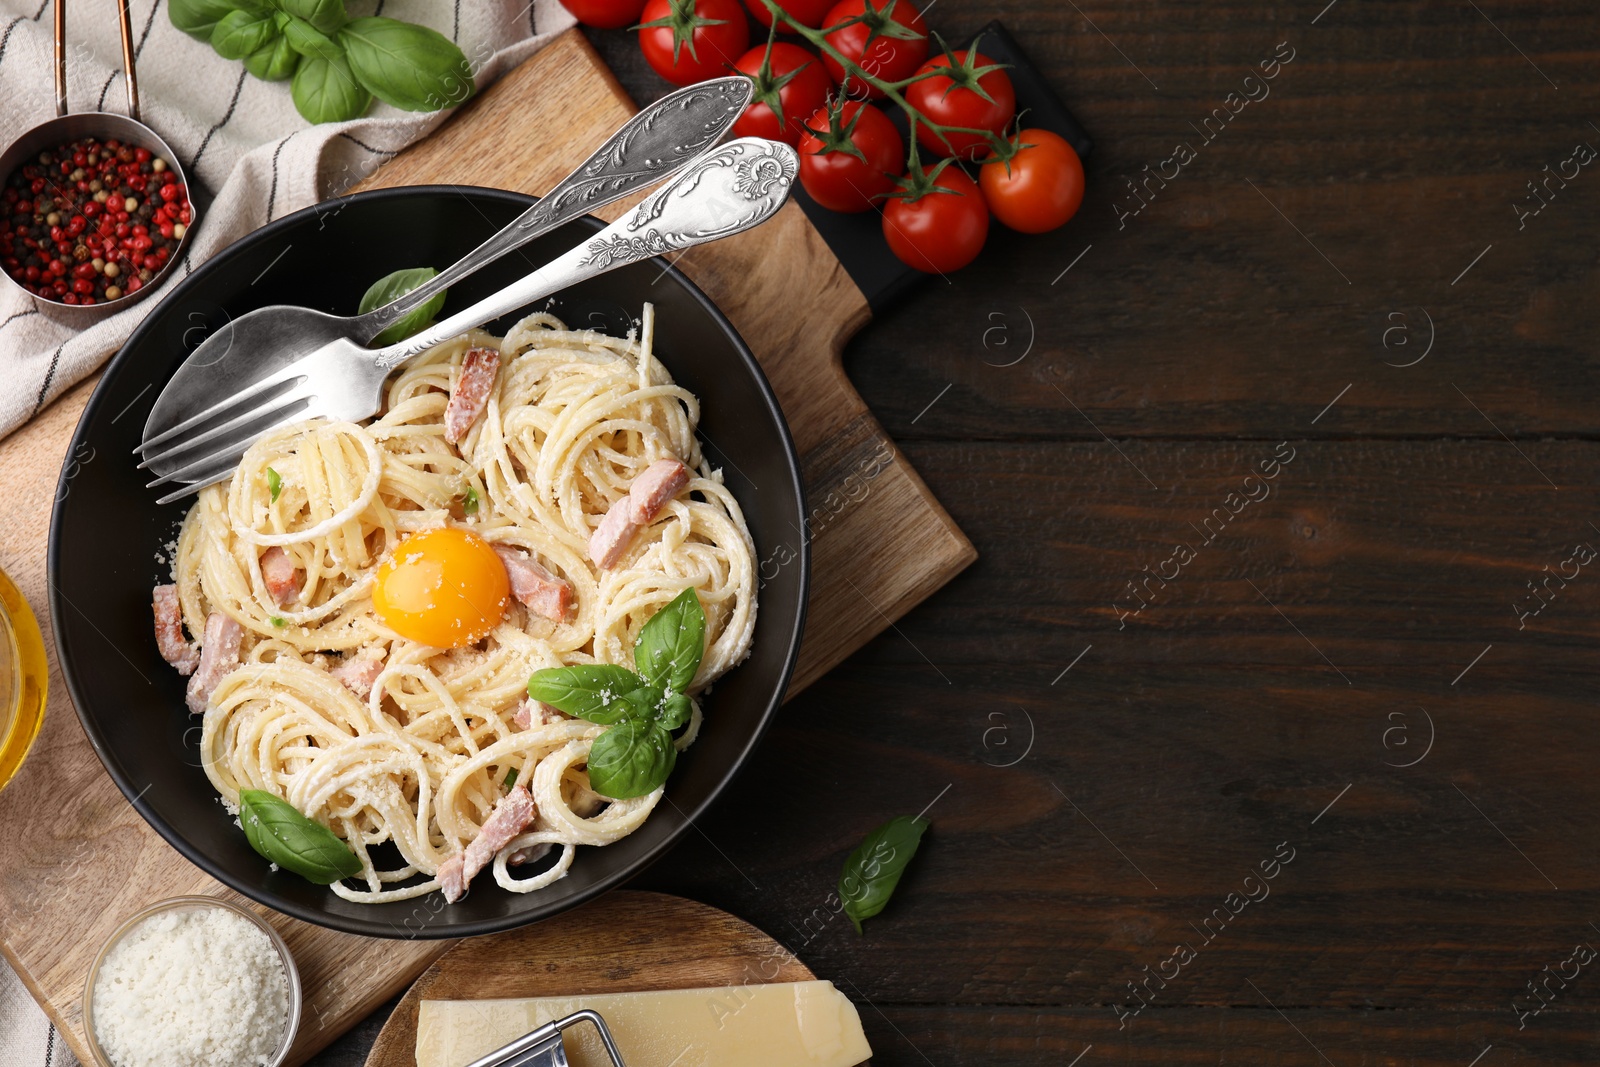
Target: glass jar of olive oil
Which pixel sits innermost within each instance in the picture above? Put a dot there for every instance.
(23, 673)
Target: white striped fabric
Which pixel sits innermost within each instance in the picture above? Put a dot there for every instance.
(26, 1037)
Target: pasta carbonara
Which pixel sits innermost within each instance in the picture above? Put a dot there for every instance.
(541, 445)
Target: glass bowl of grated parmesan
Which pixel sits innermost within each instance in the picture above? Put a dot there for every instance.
(192, 982)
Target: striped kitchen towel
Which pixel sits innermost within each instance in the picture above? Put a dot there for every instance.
(233, 133)
(26, 1038)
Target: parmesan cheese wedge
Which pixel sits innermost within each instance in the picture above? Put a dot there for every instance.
(794, 1024)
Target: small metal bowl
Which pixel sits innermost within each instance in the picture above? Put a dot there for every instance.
(65, 128)
(291, 1024)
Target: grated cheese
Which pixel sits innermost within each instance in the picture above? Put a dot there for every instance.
(198, 987)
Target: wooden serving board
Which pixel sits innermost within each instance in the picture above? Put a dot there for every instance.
(623, 942)
(77, 859)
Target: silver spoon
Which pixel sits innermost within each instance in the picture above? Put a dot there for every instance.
(723, 192)
(646, 149)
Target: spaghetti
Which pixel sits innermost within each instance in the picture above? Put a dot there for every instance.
(420, 763)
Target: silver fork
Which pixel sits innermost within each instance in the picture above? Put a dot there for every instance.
(726, 191)
(648, 148)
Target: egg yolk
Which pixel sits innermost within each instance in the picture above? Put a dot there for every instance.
(444, 588)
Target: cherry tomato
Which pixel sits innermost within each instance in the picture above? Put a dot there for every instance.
(943, 229)
(865, 44)
(973, 92)
(1041, 186)
(688, 41)
(605, 14)
(794, 83)
(443, 587)
(806, 12)
(835, 178)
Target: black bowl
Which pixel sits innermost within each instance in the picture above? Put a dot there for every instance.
(108, 538)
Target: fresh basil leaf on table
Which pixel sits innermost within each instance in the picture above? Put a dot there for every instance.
(671, 644)
(273, 63)
(326, 15)
(597, 692)
(410, 67)
(282, 835)
(241, 33)
(325, 90)
(392, 287)
(631, 759)
(873, 870)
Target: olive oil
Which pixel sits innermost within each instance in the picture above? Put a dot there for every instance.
(23, 675)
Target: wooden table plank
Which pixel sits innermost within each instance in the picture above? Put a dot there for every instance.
(1198, 336)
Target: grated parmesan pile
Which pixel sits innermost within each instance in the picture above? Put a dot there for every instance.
(197, 987)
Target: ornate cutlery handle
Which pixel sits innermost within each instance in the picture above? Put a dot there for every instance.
(724, 192)
(646, 149)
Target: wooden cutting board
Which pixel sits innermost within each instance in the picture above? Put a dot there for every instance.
(77, 859)
(623, 942)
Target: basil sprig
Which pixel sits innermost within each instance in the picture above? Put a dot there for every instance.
(408, 66)
(282, 835)
(392, 287)
(338, 63)
(636, 755)
(873, 870)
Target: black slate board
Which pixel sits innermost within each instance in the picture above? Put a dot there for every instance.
(858, 239)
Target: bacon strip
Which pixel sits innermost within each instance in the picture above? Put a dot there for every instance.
(281, 575)
(470, 393)
(649, 493)
(219, 655)
(169, 630)
(542, 592)
(359, 671)
(514, 813)
(532, 711)
(451, 883)
(528, 854)
(611, 538)
(660, 482)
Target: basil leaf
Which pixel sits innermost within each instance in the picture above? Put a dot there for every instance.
(631, 759)
(285, 837)
(274, 484)
(325, 90)
(674, 711)
(873, 870)
(410, 67)
(198, 18)
(326, 15)
(671, 644)
(392, 287)
(598, 692)
(307, 40)
(241, 33)
(273, 63)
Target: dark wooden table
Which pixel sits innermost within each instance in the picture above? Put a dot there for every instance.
(1345, 663)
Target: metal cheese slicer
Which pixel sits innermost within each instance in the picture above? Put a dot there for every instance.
(543, 1047)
